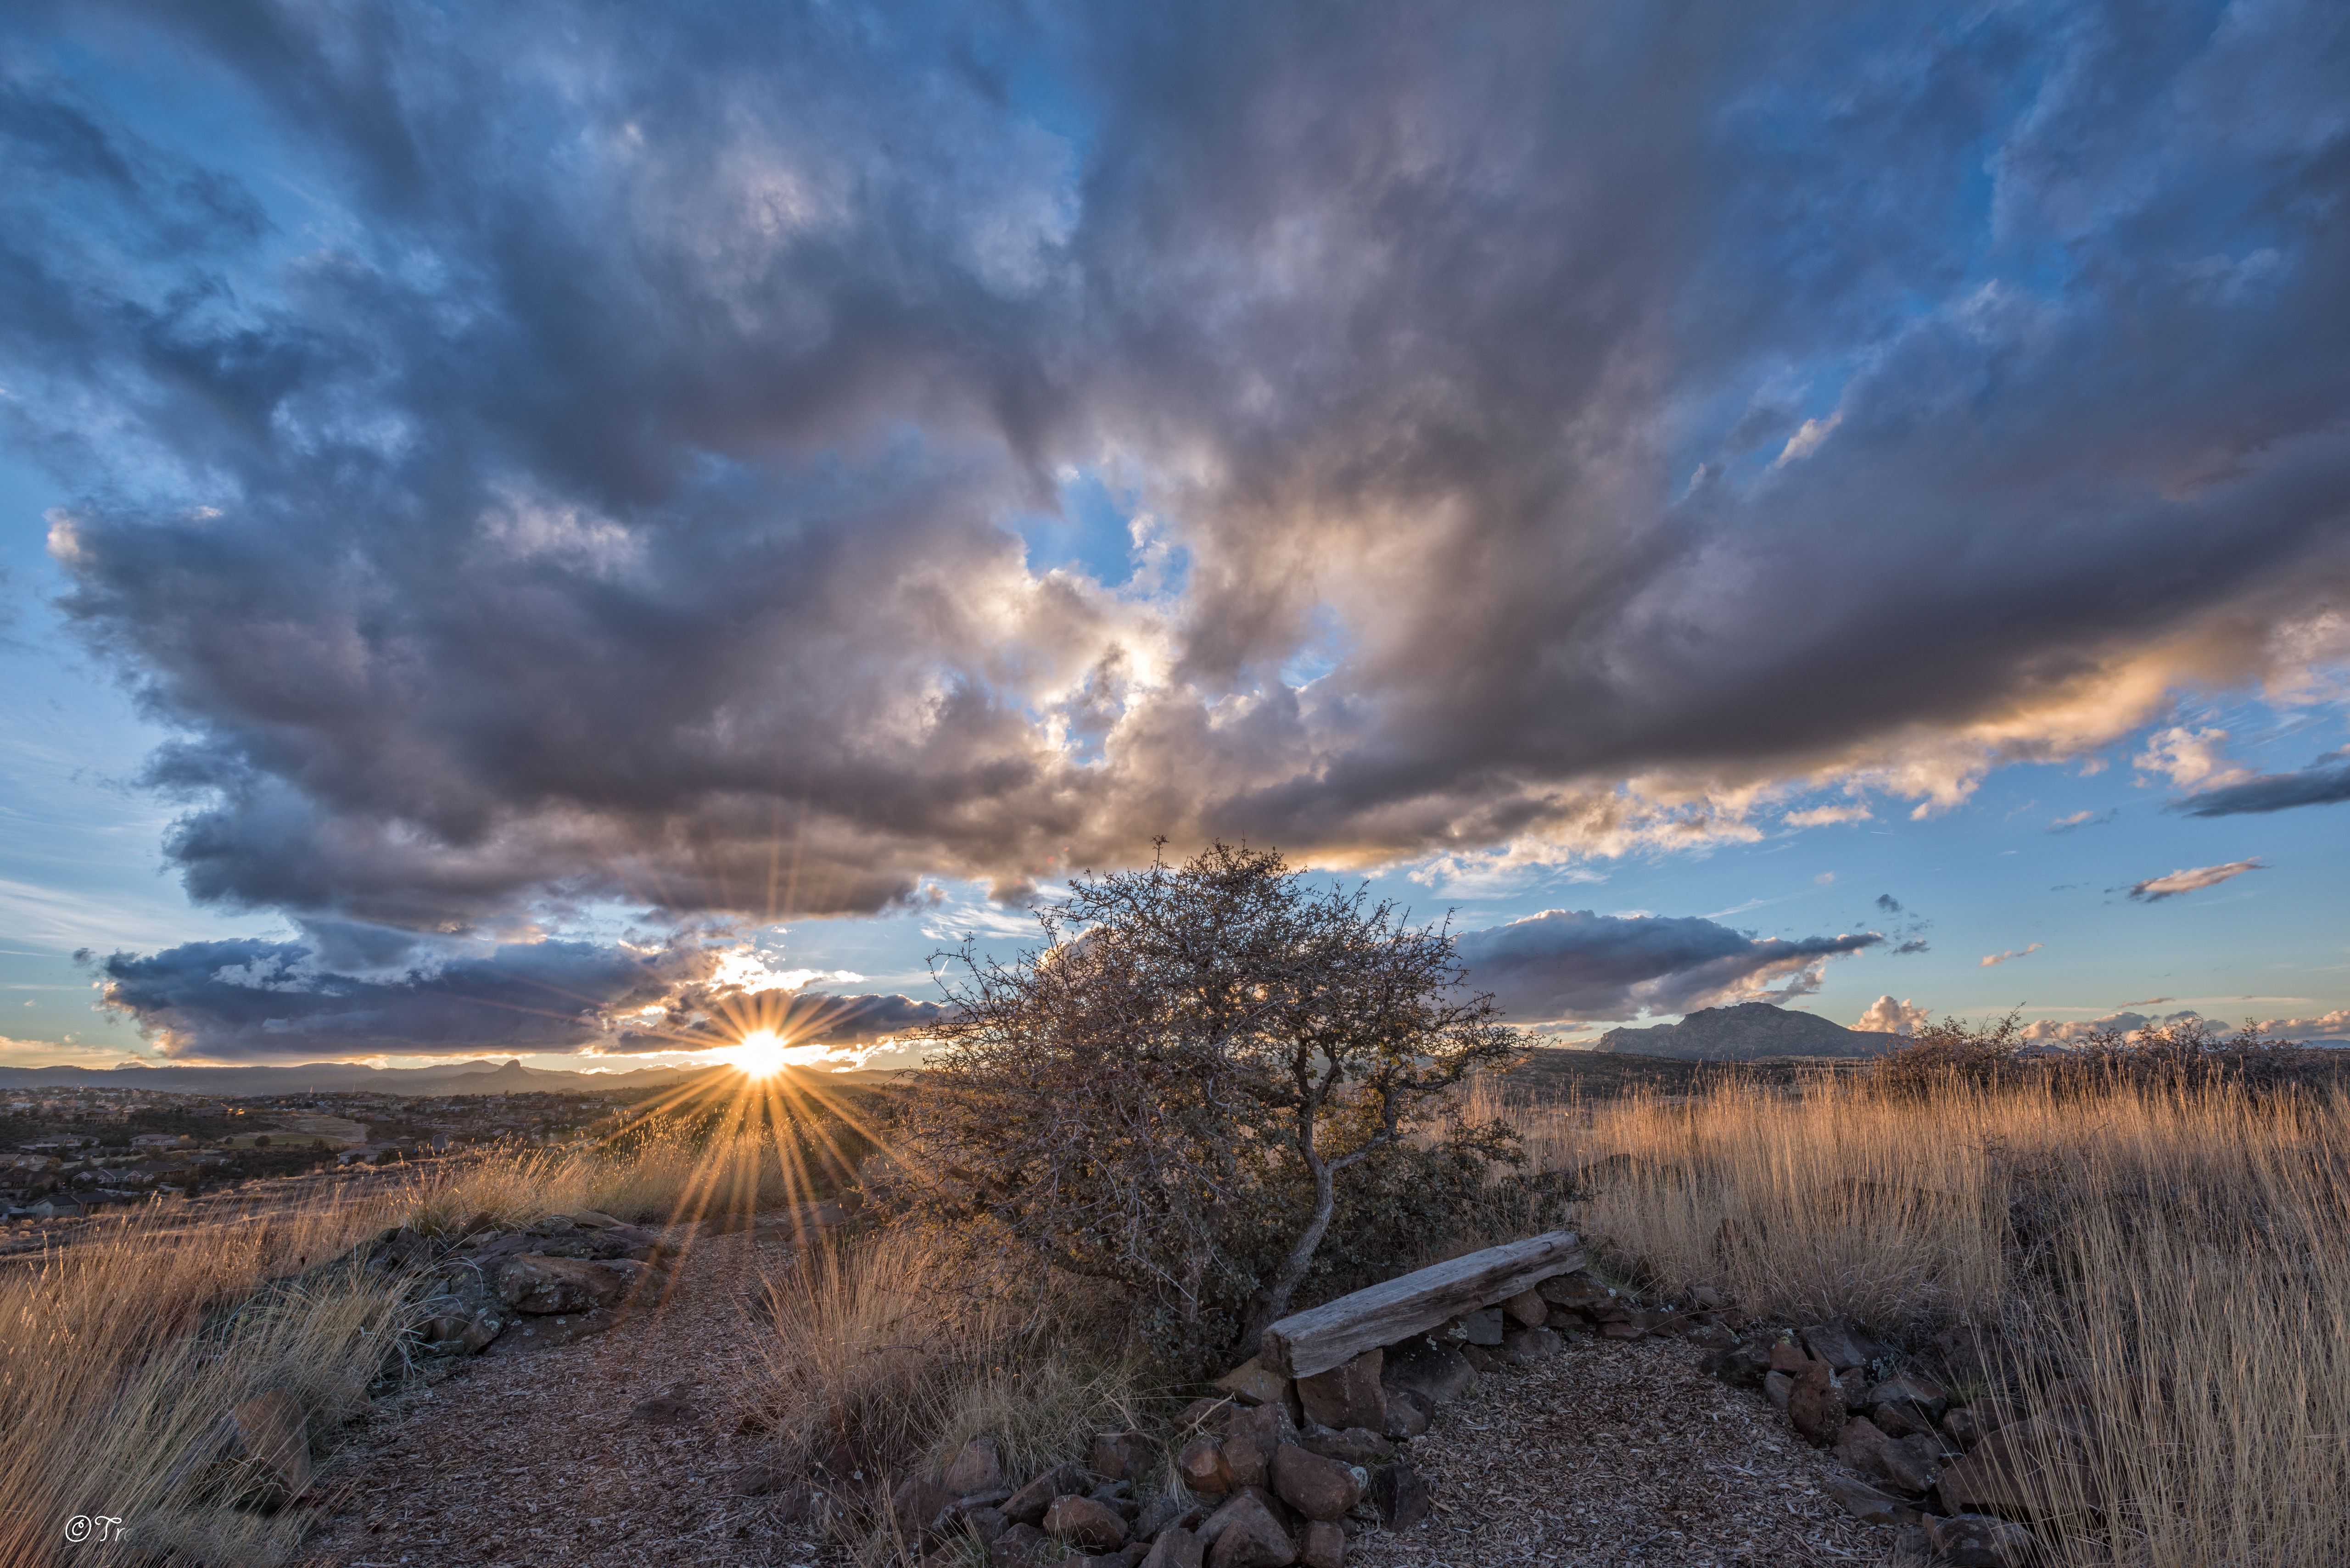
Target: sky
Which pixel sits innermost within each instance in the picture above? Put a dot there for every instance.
(529, 528)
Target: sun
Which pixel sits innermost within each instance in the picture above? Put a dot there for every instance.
(762, 1054)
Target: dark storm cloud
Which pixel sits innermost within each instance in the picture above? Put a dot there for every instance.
(1576, 964)
(549, 455)
(2326, 781)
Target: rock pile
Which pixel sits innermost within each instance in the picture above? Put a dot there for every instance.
(562, 1279)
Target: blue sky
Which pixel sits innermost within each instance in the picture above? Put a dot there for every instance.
(555, 524)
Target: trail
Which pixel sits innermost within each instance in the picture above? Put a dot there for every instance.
(531, 1458)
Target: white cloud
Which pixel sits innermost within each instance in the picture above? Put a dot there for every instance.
(1808, 439)
(2153, 889)
(1990, 959)
(1887, 1016)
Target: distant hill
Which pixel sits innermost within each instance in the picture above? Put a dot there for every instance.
(509, 1077)
(1749, 1030)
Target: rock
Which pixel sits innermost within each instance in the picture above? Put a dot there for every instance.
(1122, 1456)
(272, 1434)
(670, 1409)
(1317, 1487)
(1481, 1328)
(1355, 1446)
(1167, 1511)
(1866, 1448)
(976, 1466)
(985, 1521)
(1577, 1292)
(1526, 1309)
(1399, 1496)
(1027, 1505)
(1205, 1416)
(1268, 1424)
(481, 1329)
(1247, 1535)
(1409, 1413)
(1253, 1383)
(1020, 1546)
(593, 1220)
(1325, 1545)
(2036, 1467)
(1743, 1365)
(1085, 1523)
(1245, 1461)
(1437, 1372)
(1841, 1345)
(1522, 1345)
(1119, 1498)
(1854, 1384)
(1905, 1389)
(1777, 1387)
(1978, 1541)
(1971, 1423)
(1176, 1548)
(1868, 1505)
(539, 1283)
(1912, 1543)
(1788, 1356)
(923, 1507)
(1202, 1466)
(1708, 1299)
(1479, 1358)
(1348, 1395)
(1816, 1406)
(1901, 1420)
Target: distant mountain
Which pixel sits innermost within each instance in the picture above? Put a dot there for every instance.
(509, 1077)
(1744, 1034)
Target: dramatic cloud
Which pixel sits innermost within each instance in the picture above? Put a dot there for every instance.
(747, 459)
(1887, 1016)
(2153, 889)
(1574, 964)
(1988, 959)
(2326, 781)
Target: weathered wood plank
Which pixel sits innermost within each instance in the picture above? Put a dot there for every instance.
(1334, 1332)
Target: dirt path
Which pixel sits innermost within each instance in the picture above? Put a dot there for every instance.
(533, 1460)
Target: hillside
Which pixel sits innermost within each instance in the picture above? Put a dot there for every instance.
(1749, 1032)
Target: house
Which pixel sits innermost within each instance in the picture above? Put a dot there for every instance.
(58, 1207)
(162, 1140)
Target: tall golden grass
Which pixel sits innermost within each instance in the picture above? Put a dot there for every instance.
(2184, 1252)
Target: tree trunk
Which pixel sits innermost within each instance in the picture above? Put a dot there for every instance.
(1272, 1303)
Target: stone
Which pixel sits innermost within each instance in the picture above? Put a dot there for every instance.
(1027, 1505)
(977, 1467)
(1085, 1523)
(1347, 1396)
(1020, 1546)
(1269, 1426)
(1911, 1543)
(1355, 1446)
(1777, 1387)
(1167, 1511)
(1437, 1372)
(1247, 1535)
(1577, 1292)
(1901, 1420)
(1868, 1449)
(985, 1521)
(589, 1219)
(1122, 1456)
(1743, 1365)
(1323, 1546)
(1479, 1358)
(1246, 1461)
(1854, 1384)
(1816, 1406)
(1622, 1328)
(273, 1435)
(1969, 1424)
(1908, 1388)
(922, 1506)
(1868, 1505)
(1176, 1548)
(483, 1327)
(1481, 1328)
(1409, 1413)
(1708, 1299)
(1205, 1416)
(1203, 1468)
(1788, 1356)
(1118, 1497)
(1526, 1309)
(1400, 1497)
(2036, 1467)
(1841, 1345)
(538, 1283)
(1524, 1346)
(1978, 1541)
(1255, 1382)
(1317, 1487)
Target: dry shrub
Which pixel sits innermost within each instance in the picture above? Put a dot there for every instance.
(2180, 1250)
(119, 1353)
(892, 1351)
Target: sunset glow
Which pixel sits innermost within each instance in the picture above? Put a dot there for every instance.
(762, 1054)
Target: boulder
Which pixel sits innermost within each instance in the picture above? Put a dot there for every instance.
(1085, 1523)
(1577, 1292)
(1246, 1461)
(1841, 1345)
(1317, 1487)
(923, 1507)
(1868, 1505)
(1971, 1423)
(1027, 1505)
(1978, 1541)
(273, 1438)
(2032, 1467)
(1355, 1446)
(985, 1521)
(1866, 1448)
(1269, 1425)
(1901, 1420)
(1437, 1372)
(1020, 1546)
(1483, 1327)
(1323, 1546)
(1522, 1345)
(538, 1283)
(1816, 1406)
(1787, 1356)
(1246, 1535)
(1348, 1395)
(1777, 1387)
(1176, 1548)
(1122, 1456)
(1399, 1496)
(977, 1467)
(1167, 1511)
(1856, 1386)
(1202, 1466)
(1409, 1413)
(1255, 1382)
(1526, 1309)
(1906, 1388)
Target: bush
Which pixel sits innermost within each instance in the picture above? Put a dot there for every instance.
(2186, 1053)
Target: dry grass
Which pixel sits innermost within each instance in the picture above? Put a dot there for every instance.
(662, 1174)
(2185, 1251)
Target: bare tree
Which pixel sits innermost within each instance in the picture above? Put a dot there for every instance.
(1145, 1094)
